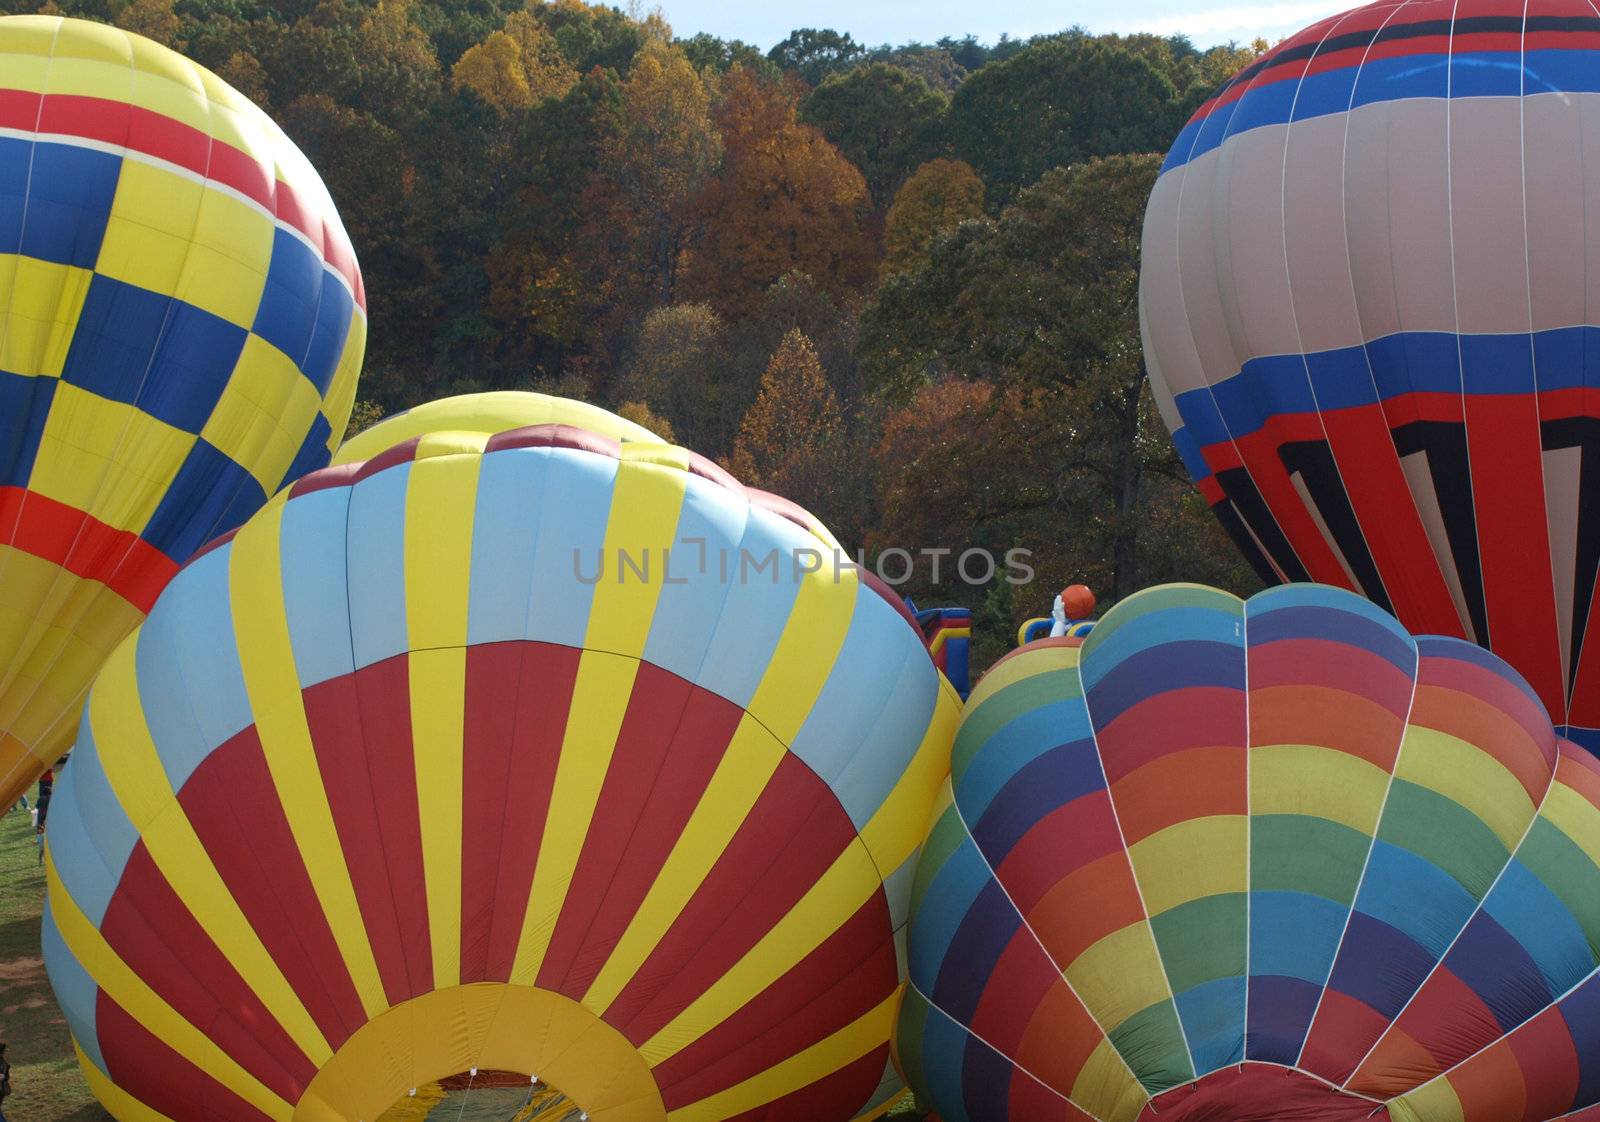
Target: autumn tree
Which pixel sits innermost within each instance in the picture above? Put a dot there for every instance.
(642, 415)
(154, 19)
(785, 201)
(883, 119)
(1043, 304)
(516, 67)
(679, 367)
(940, 194)
(793, 442)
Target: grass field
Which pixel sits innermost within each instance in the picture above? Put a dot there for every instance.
(45, 1082)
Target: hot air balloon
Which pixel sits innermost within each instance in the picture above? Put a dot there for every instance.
(537, 753)
(1249, 861)
(494, 412)
(1370, 321)
(183, 324)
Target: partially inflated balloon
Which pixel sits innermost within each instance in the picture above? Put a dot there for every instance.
(445, 762)
(181, 326)
(1372, 320)
(494, 412)
(1258, 861)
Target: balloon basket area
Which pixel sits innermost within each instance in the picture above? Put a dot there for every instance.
(488, 1096)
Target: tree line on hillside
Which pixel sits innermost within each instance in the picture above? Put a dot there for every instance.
(896, 284)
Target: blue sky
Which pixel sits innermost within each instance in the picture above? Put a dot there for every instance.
(764, 22)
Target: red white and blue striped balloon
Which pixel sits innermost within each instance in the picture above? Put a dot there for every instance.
(1371, 298)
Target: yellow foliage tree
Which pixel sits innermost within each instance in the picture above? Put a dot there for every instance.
(516, 67)
(154, 19)
(641, 414)
(940, 194)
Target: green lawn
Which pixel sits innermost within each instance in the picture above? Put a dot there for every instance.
(45, 1082)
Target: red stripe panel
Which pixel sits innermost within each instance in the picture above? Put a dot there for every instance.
(1340, 1019)
(1181, 786)
(153, 134)
(509, 760)
(1031, 1100)
(838, 1095)
(234, 807)
(1548, 1059)
(671, 741)
(847, 976)
(1024, 994)
(793, 833)
(1479, 706)
(84, 546)
(361, 728)
(1259, 451)
(1513, 540)
(163, 944)
(1193, 717)
(145, 1067)
(1380, 495)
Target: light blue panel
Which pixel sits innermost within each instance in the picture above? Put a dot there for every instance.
(316, 592)
(572, 534)
(189, 679)
(1213, 1021)
(1015, 745)
(756, 610)
(90, 836)
(1535, 917)
(897, 889)
(1108, 646)
(505, 531)
(75, 990)
(950, 896)
(944, 1047)
(885, 744)
(375, 545)
(685, 622)
(1294, 935)
(1415, 896)
(871, 705)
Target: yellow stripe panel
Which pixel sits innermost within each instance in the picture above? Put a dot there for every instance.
(1043, 660)
(599, 702)
(261, 624)
(140, 784)
(117, 1102)
(833, 899)
(1322, 782)
(1435, 1101)
(1119, 975)
(1106, 1088)
(1469, 776)
(645, 503)
(438, 704)
(743, 773)
(811, 641)
(1189, 860)
(144, 1005)
(45, 302)
(828, 1055)
(893, 833)
(440, 501)
(1575, 816)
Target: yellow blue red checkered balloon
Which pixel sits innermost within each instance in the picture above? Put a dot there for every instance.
(182, 322)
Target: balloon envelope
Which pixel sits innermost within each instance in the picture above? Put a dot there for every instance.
(1239, 861)
(181, 326)
(1371, 318)
(417, 773)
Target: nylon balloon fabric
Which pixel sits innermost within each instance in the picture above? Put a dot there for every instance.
(416, 774)
(1242, 861)
(1370, 321)
(182, 322)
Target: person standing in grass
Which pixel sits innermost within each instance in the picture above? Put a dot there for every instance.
(5, 1081)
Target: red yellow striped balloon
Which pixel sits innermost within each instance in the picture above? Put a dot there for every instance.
(536, 752)
(182, 322)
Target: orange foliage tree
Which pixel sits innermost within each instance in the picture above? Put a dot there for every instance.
(785, 201)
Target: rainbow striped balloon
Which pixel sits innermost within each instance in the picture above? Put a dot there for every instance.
(182, 322)
(418, 773)
(1273, 859)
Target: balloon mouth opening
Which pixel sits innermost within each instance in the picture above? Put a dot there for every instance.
(1261, 1092)
(485, 1096)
